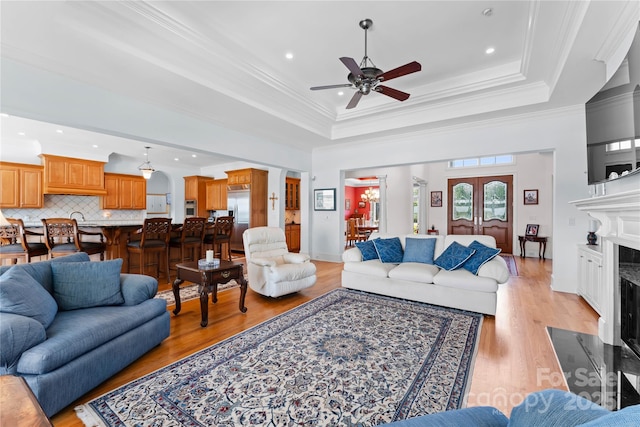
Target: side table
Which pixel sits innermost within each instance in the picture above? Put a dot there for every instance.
(207, 281)
(18, 405)
(542, 244)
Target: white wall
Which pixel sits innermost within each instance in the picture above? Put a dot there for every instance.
(561, 132)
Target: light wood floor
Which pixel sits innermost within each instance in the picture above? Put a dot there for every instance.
(514, 358)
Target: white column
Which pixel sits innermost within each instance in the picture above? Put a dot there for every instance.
(422, 207)
(382, 219)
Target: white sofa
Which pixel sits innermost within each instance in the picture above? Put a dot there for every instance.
(426, 282)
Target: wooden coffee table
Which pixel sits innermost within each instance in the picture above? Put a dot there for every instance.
(18, 405)
(207, 281)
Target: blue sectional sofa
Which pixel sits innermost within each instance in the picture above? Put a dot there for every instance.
(549, 408)
(68, 324)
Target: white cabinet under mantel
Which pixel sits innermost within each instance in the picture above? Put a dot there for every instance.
(590, 275)
(619, 216)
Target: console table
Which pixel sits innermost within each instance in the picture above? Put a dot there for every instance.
(542, 243)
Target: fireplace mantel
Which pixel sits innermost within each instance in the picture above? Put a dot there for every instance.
(619, 215)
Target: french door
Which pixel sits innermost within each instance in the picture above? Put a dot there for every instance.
(482, 205)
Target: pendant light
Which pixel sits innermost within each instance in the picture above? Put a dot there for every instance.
(146, 167)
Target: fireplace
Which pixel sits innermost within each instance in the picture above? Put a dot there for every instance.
(629, 272)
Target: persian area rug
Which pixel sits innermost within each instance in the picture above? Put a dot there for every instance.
(511, 264)
(190, 292)
(346, 358)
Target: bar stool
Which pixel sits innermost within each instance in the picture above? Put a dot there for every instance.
(15, 244)
(191, 238)
(155, 235)
(222, 232)
(62, 237)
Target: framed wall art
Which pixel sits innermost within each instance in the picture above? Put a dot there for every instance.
(324, 199)
(436, 199)
(532, 230)
(347, 204)
(530, 197)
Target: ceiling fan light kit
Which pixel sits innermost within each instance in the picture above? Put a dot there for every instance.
(366, 78)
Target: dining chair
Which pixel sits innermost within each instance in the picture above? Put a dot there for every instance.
(221, 235)
(191, 238)
(14, 243)
(63, 237)
(154, 239)
(352, 232)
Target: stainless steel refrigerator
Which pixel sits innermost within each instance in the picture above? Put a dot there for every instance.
(239, 205)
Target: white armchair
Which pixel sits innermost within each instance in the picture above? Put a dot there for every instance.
(273, 270)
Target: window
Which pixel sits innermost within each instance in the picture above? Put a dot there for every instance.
(622, 145)
(482, 161)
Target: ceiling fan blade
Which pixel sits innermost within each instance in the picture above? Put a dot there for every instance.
(354, 100)
(331, 86)
(352, 65)
(409, 68)
(393, 93)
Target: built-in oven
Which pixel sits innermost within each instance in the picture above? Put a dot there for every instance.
(190, 208)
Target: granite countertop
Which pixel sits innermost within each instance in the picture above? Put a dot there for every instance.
(94, 223)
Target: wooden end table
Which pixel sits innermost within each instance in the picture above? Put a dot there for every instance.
(207, 281)
(542, 244)
(18, 405)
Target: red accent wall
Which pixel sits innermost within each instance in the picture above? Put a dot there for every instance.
(355, 195)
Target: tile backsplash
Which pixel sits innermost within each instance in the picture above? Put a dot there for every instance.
(61, 206)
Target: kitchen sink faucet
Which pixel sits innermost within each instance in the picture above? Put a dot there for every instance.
(78, 212)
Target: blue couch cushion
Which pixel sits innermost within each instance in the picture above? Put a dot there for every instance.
(389, 250)
(482, 255)
(478, 416)
(75, 333)
(41, 271)
(419, 250)
(454, 256)
(368, 250)
(626, 417)
(555, 408)
(87, 284)
(22, 294)
(17, 334)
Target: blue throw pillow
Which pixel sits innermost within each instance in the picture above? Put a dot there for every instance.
(482, 255)
(87, 284)
(368, 250)
(22, 294)
(389, 250)
(454, 256)
(419, 250)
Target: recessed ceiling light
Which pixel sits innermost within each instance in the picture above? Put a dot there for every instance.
(288, 55)
(176, 159)
(59, 131)
(490, 50)
(21, 133)
(95, 146)
(487, 12)
(193, 155)
(340, 93)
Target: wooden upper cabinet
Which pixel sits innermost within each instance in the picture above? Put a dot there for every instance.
(240, 176)
(124, 192)
(292, 194)
(195, 188)
(217, 195)
(20, 186)
(65, 175)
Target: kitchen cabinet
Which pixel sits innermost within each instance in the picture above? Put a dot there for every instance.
(157, 204)
(195, 188)
(292, 194)
(21, 186)
(292, 234)
(124, 192)
(257, 180)
(591, 275)
(65, 175)
(217, 195)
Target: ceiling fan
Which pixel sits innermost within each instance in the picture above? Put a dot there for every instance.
(366, 78)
